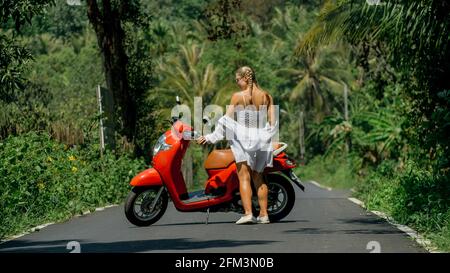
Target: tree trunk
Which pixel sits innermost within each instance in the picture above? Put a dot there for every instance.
(110, 38)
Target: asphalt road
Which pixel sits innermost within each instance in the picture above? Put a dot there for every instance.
(321, 221)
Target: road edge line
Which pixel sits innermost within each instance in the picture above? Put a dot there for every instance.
(315, 183)
(40, 227)
(419, 239)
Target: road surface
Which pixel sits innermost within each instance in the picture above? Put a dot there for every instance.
(321, 221)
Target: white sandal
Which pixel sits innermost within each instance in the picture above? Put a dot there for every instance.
(246, 219)
(263, 220)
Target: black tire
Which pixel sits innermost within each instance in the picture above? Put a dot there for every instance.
(134, 194)
(281, 182)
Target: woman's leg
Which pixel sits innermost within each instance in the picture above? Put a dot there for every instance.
(262, 191)
(245, 188)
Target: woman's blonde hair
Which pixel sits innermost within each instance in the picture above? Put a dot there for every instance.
(247, 71)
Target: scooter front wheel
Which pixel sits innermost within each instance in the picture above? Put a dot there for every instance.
(146, 205)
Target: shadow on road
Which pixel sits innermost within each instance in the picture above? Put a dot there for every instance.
(224, 222)
(342, 231)
(357, 225)
(124, 246)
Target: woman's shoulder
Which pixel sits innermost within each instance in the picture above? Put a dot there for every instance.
(266, 96)
(237, 94)
(237, 97)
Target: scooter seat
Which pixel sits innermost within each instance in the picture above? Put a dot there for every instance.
(219, 159)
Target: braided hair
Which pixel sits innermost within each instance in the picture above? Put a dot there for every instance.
(246, 71)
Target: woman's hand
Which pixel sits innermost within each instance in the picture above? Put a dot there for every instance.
(201, 140)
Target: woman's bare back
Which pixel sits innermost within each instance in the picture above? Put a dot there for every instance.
(257, 98)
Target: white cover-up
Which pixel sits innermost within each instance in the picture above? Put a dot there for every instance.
(250, 138)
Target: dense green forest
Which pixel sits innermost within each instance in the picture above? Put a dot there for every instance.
(363, 92)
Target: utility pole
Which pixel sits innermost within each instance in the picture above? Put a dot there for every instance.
(347, 139)
(302, 137)
(107, 126)
(345, 102)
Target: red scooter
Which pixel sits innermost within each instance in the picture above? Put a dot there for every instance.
(148, 199)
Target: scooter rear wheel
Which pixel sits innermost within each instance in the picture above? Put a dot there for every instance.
(138, 205)
(281, 197)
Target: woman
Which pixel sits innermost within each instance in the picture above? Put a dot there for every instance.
(251, 143)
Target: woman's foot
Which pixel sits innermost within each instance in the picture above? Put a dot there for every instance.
(246, 219)
(263, 219)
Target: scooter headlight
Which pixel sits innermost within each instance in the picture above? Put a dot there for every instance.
(161, 145)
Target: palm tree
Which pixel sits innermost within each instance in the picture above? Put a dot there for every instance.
(375, 133)
(318, 79)
(416, 35)
(184, 75)
(167, 36)
(396, 22)
(286, 28)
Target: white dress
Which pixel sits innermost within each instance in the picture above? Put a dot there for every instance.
(250, 137)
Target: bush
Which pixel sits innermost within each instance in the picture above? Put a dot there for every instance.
(415, 196)
(328, 171)
(43, 180)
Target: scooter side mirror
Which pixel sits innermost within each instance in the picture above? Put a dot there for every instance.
(175, 118)
(206, 120)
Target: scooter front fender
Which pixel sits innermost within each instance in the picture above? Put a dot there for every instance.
(149, 177)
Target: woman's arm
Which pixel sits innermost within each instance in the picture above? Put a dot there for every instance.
(219, 131)
(271, 111)
(233, 102)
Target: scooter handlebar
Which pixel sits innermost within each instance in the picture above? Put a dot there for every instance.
(191, 135)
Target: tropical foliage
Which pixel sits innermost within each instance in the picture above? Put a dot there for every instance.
(362, 90)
